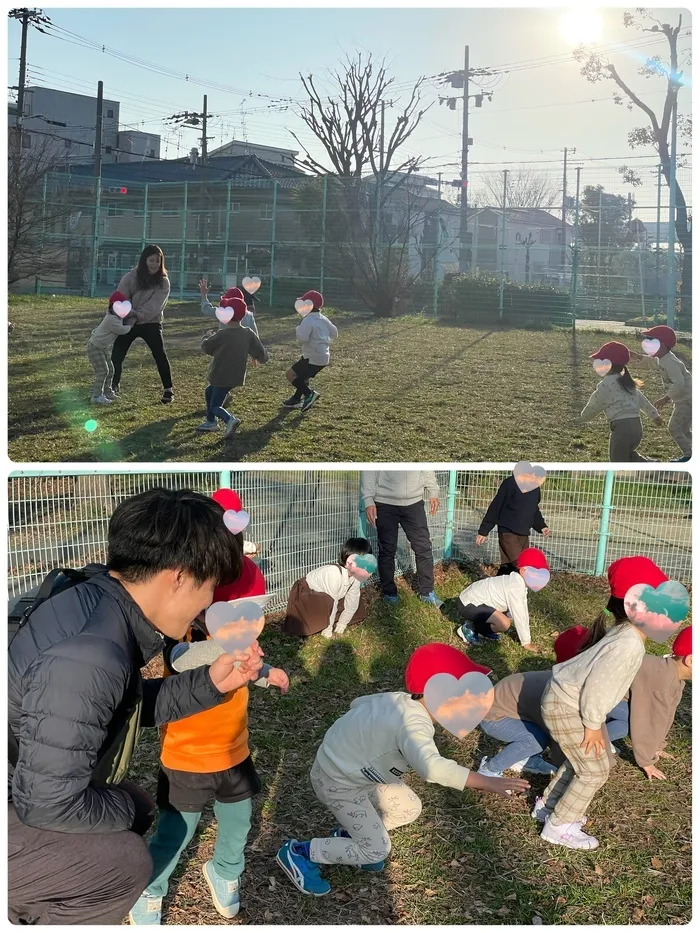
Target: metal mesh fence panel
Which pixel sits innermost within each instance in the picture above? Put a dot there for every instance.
(299, 518)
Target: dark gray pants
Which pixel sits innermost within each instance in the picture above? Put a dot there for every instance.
(73, 878)
(413, 520)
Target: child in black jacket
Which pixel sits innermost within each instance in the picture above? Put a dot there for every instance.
(515, 513)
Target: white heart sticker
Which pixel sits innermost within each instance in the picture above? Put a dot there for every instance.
(251, 284)
(528, 476)
(236, 521)
(121, 308)
(303, 307)
(651, 346)
(235, 625)
(224, 314)
(458, 705)
(602, 367)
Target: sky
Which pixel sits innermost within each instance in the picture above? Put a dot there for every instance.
(538, 107)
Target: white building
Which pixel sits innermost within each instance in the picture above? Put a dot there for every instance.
(269, 153)
(135, 146)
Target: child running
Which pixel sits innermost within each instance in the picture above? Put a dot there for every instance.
(205, 756)
(248, 319)
(619, 396)
(490, 605)
(515, 513)
(315, 333)
(679, 390)
(327, 599)
(230, 348)
(99, 351)
(359, 767)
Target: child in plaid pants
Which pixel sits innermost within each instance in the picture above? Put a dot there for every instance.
(99, 351)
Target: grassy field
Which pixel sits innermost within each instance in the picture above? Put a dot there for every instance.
(470, 858)
(405, 389)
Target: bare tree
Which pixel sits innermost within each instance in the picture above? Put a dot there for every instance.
(377, 208)
(31, 217)
(656, 132)
(526, 188)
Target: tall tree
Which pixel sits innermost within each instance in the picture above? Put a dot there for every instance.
(526, 188)
(656, 132)
(376, 206)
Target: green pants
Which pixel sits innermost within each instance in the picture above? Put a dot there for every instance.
(175, 830)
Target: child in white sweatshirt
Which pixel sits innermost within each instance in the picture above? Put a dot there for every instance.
(679, 389)
(315, 333)
(327, 599)
(99, 350)
(358, 773)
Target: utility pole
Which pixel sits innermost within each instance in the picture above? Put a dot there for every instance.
(97, 161)
(464, 202)
(563, 214)
(27, 18)
(192, 119)
(204, 131)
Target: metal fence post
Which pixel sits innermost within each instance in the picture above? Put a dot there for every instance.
(37, 282)
(604, 531)
(438, 244)
(183, 245)
(144, 225)
(95, 235)
(225, 479)
(274, 237)
(324, 206)
(503, 244)
(574, 268)
(361, 514)
(450, 518)
(227, 231)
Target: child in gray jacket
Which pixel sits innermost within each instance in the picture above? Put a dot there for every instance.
(99, 351)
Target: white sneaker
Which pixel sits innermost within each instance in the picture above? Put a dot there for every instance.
(570, 835)
(483, 769)
(328, 632)
(208, 426)
(101, 400)
(613, 750)
(518, 766)
(340, 629)
(232, 426)
(541, 813)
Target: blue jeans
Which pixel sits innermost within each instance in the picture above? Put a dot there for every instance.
(617, 721)
(525, 739)
(215, 397)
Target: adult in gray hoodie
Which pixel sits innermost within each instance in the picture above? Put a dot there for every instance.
(393, 499)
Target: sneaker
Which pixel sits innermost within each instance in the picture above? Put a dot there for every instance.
(391, 600)
(146, 911)
(108, 393)
(536, 765)
(310, 400)
(613, 750)
(540, 813)
(493, 636)
(167, 397)
(207, 426)
(339, 832)
(304, 874)
(468, 636)
(570, 835)
(483, 769)
(224, 894)
(432, 600)
(101, 400)
(293, 402)
(232, 426)
(327, 632)
(116, 390)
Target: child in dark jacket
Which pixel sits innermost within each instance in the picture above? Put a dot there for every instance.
(515, 513)
(99, 350)
(230, 348)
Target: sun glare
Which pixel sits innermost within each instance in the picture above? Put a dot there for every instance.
(580, 26)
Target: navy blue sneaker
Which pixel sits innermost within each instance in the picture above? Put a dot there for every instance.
(339, 832)
(432, 600)
(467, 635)
(304, 874)
(493, 636)
(392, 600)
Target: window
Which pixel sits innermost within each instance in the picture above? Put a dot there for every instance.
(110, 114)
(108, 150)
(26, 141)
(67, 143)
(151, 153)
(114, 210)
(518, 238)
(168, 210)
(266, 212)
(545, 236)
(235, 207)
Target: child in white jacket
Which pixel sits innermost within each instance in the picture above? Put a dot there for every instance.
(315, 333)
(99, 351)
(358, 773)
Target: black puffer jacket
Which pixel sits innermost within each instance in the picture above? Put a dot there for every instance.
(513, 510)
(74, 679)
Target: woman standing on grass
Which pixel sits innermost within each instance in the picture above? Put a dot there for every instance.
(147, 287)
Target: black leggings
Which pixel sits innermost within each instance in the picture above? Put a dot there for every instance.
(152, 335)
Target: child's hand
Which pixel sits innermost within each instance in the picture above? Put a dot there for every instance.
(505, 787)
(533, 649)
(659, 420)
(661, 402)
(652, 772)
(480, 539)
(278, 678)
(593, 741)
(226, 677)
(662, 754)
(203, 287)
(546, 532)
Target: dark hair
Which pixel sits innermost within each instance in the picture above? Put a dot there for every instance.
(144, 278)
(616, 608)
(354, 546)
(416, 696)
(163, 529)
(626, 379)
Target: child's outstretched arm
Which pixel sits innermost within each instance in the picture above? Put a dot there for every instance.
(646, 406)
(257, 351)
(517, 605)
(596, 403)
(273, 677)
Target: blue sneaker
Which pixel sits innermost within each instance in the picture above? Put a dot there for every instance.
(493, 636)
(304, 874)
(225, 894)
(339, 832)
(146, 911)
(392, 600)
(432, 600)
(467, 635)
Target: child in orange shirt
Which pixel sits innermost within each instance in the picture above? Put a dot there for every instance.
(205, 756)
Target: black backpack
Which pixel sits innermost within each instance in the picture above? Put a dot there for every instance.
(55, 582)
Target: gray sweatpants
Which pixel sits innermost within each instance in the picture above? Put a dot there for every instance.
(368, 812)
(625, 437)
(680, 426)
(101, 362)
